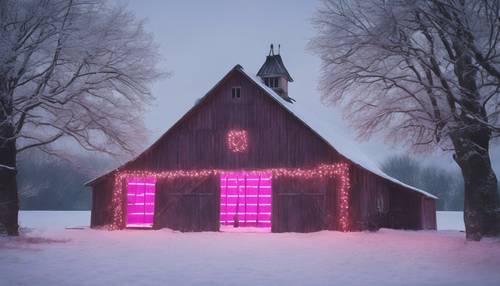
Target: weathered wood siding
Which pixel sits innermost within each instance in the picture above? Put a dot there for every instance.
(187, 204)
(428, 213)
(101, 203)
(370, 200)
(276, 139)
(377, 203)
(304, 205)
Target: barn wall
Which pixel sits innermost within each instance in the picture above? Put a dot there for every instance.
(428, 213)
(370, 200)
(377, 203)
(405, 209)
(101, 203)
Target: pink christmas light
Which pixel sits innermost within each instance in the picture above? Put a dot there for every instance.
(340, 171)
(237, 140)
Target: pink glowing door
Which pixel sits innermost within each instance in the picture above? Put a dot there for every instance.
(140, 201)
(246, 199)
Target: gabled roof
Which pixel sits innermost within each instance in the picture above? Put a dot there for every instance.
(342, 146)
(273, 66)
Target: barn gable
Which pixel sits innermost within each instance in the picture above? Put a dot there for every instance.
(217, 112)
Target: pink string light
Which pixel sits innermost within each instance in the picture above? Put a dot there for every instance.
(340, 171)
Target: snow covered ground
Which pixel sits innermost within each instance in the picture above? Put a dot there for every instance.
(49, 254)
(450, 221)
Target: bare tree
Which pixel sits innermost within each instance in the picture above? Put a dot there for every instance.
(71, 71)
(426, 73)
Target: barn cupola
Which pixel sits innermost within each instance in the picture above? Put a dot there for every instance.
(274, 74)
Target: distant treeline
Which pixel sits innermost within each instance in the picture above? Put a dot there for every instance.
(46, 182)
(447, 185)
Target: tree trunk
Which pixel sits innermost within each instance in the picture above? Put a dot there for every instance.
(480, 183)
(9, 203)
(471, 141)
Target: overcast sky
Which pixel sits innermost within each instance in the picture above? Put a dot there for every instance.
(200, 41)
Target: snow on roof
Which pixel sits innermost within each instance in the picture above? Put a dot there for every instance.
(344, 147)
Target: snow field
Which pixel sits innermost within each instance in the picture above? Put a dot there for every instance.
(49, 254)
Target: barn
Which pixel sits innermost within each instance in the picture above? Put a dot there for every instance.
(247, 155)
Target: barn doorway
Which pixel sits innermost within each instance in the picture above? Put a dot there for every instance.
(140, 201)
(245, 201)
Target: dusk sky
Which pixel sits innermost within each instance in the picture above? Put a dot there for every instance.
(200, 41)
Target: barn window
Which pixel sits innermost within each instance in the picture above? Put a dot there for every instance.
(140, 201)
(236, 92)
(272, 82)
(237, 141)
(246, 199)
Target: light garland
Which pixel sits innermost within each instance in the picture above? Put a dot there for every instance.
(340, 171)
(237, 140)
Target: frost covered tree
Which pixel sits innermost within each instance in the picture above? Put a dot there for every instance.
(424, 72)
(70, 71)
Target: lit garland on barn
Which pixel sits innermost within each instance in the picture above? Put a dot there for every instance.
(339, 170)
(237, 140)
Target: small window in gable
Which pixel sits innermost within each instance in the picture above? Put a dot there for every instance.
(272, 82)
(236, 92)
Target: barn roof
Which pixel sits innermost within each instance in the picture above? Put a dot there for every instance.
(274, 66)
(342, 146)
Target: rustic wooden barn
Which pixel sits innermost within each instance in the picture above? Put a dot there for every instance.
(247, 155)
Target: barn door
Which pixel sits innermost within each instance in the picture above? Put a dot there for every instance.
(187, 204)
(300, 205)
(246, 199)
(140, 201)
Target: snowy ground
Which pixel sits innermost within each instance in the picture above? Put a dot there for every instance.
(450, 221)
(49, 254)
